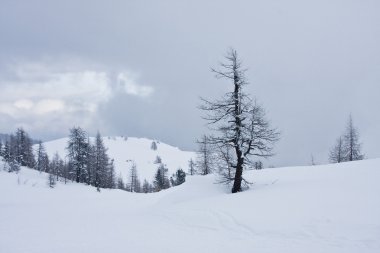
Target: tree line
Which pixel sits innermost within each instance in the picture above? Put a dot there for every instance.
(86, 162)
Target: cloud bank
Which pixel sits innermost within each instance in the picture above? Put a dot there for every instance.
(47, 96)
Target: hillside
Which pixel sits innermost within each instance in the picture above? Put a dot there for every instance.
(125, 150)
(328, 208)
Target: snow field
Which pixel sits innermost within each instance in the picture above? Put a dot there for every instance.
(327, 208)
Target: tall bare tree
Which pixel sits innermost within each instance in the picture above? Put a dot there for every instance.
(239, 122)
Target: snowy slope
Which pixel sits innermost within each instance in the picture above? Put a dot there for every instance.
(329, 208)
(124, 150)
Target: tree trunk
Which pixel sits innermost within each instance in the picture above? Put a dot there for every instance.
(238, 176)
(239, 166)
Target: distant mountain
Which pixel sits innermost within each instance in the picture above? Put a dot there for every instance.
(128, 150)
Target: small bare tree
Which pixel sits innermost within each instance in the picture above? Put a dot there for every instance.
(352, 146)
(336, 153)
(51, 180)
(347, 147)
(205, 156)
(239, 122)
(225, 165)
(191, 167)
(134, 182)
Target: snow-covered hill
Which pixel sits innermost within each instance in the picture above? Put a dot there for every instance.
(125, 150)
(329, 208)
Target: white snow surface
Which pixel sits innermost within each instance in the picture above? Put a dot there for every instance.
(126, 150)
(327, 208)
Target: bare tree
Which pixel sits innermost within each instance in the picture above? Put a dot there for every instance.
(134, 182)
(347, 147)
(51, 180)
(204, 161)
(312, 160)
(239, 121)
(258, 165)
(191, 167)
(225, 160)
(336, 153)
(352, 147)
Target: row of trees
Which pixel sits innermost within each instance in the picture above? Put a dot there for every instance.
(86, 162)
(160, 182)
(18, 150)
(89, 162)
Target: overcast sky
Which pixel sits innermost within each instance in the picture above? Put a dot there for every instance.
(137, 68)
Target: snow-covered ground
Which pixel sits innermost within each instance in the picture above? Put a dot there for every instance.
(329, 208)
(125, 150)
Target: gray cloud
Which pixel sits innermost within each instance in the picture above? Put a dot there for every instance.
(311, 63)
(45, 96)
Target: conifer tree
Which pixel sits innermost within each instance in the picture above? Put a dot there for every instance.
(77, 148)
(101, 163)
(161, 180)
(24, 149)
(178, 178)
(153, 146)
(1, 148)
(120, 183)
(11, 164)
(42, 159)
(146, 188)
